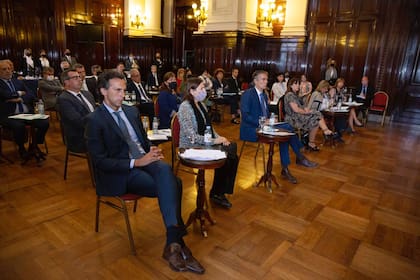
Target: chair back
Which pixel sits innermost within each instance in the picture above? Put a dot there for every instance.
(281, 108)
(379, 101)
(38, 93)
(92, 170)
(156, 107)
(244, 86)
(175, 130)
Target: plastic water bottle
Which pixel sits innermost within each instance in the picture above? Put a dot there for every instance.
(350, 99)
(207, 136)
(155, 125)
(41, 108)
(145, 122)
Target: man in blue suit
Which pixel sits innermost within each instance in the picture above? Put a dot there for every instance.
(125, 162)
(254, 103)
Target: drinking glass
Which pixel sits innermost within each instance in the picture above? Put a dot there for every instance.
(261, 121)
(191, 137)
(133, 97)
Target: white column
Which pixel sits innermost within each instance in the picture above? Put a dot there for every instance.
(152, 26)
(231, 15)
(294, 24)
(168, 18)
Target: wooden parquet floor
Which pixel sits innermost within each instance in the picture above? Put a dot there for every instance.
(356, 216)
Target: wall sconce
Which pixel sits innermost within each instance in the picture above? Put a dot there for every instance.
(138, 20)
(269, 12)
(200, 14)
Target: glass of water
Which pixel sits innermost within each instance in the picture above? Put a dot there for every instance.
(133, 97)
(261, 121)
(191, 137)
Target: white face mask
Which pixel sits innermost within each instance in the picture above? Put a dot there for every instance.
(201, 95)
(50, 77)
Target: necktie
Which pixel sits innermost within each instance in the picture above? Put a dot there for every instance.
(263, 106)
(143, 93)
(83, 102)
(135, 150)
(156, 79)
(12, 88)
(364, 90)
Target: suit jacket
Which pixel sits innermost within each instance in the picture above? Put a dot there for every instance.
(167, 104)
(92, 85)
(49, 91)
(8, 108)
(131, 87)
(250, 111)
(72, 61)
(73, 118)
(370, 91)
(109, 150)
(232, 86)
(151, 82)
(128, 64)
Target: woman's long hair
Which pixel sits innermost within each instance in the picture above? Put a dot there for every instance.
(192, 83)
(291, 82)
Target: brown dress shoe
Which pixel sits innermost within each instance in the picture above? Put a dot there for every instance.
(172, 253)
(192, 264)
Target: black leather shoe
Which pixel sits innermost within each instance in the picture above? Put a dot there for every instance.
(172, 253)
(191, 263)
(235, 121)
(221, 200)
(285, 173)
(24, 155)
(306, 162)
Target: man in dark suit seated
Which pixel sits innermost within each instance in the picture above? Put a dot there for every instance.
(92, 81)
(125, 162)
(364, 94)
(146, 105)
(254, 103)
(153, 81)
(234, 86)
(15, 99)
(74, 105)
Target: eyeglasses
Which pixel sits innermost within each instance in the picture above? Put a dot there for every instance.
(74, 77)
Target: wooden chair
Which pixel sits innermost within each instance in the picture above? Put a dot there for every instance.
(379, 104)
(50, 110)
(175, 131)
(259, 146)
(69, 152)
(156, 107)
(116, 202)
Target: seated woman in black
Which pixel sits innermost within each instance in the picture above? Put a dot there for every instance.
(220, 84)
(193, 119)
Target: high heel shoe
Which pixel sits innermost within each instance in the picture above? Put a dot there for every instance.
(313, 148)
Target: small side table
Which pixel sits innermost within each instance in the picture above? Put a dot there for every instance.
(201, 213)
(270, 139)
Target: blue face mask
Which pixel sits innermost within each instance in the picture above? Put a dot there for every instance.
(201, 95)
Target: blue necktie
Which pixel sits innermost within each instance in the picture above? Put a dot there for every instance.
(135, 150)
(12, 88)
(263, 106)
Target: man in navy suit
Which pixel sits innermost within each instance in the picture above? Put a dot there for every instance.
(74, 105)
(15, 99)
(254, 103)
(125, 162)
(153, 80)
(364, 93)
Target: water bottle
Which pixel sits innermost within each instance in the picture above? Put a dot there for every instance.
(207, 136)
(41, 108)
(272, 120)
(155, 125)
(350, 98)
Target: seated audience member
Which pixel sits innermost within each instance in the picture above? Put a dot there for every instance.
(15, 99)
(337, 94)
(82, 73)
(153, 81)
(159, 63)
(120, 68)
(331, 74)
(317, 96)
(167, 100)
(364, 94)
(300, 117)
(43, 59)
(74, 105)
(28, 65)
(254, 104)
(49, 88)
(92, 81)
(69, 58)
(126, 162)
(180, 73)
(234, 86)
(305, 89)
(193, 119)
(279, 88)
(64, 65)
(146, 105)
(219, 84)
(131, 63)
(205, 76)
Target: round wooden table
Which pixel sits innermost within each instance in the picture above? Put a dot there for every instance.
(270, 139)
(201, 213)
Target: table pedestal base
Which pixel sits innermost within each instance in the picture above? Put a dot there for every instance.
(200, 213)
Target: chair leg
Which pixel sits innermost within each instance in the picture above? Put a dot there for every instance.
(242, 149)
(65, 163)
(135, 206)
(46, 147)
(98, 202)
(383, 118)
(127, 221)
